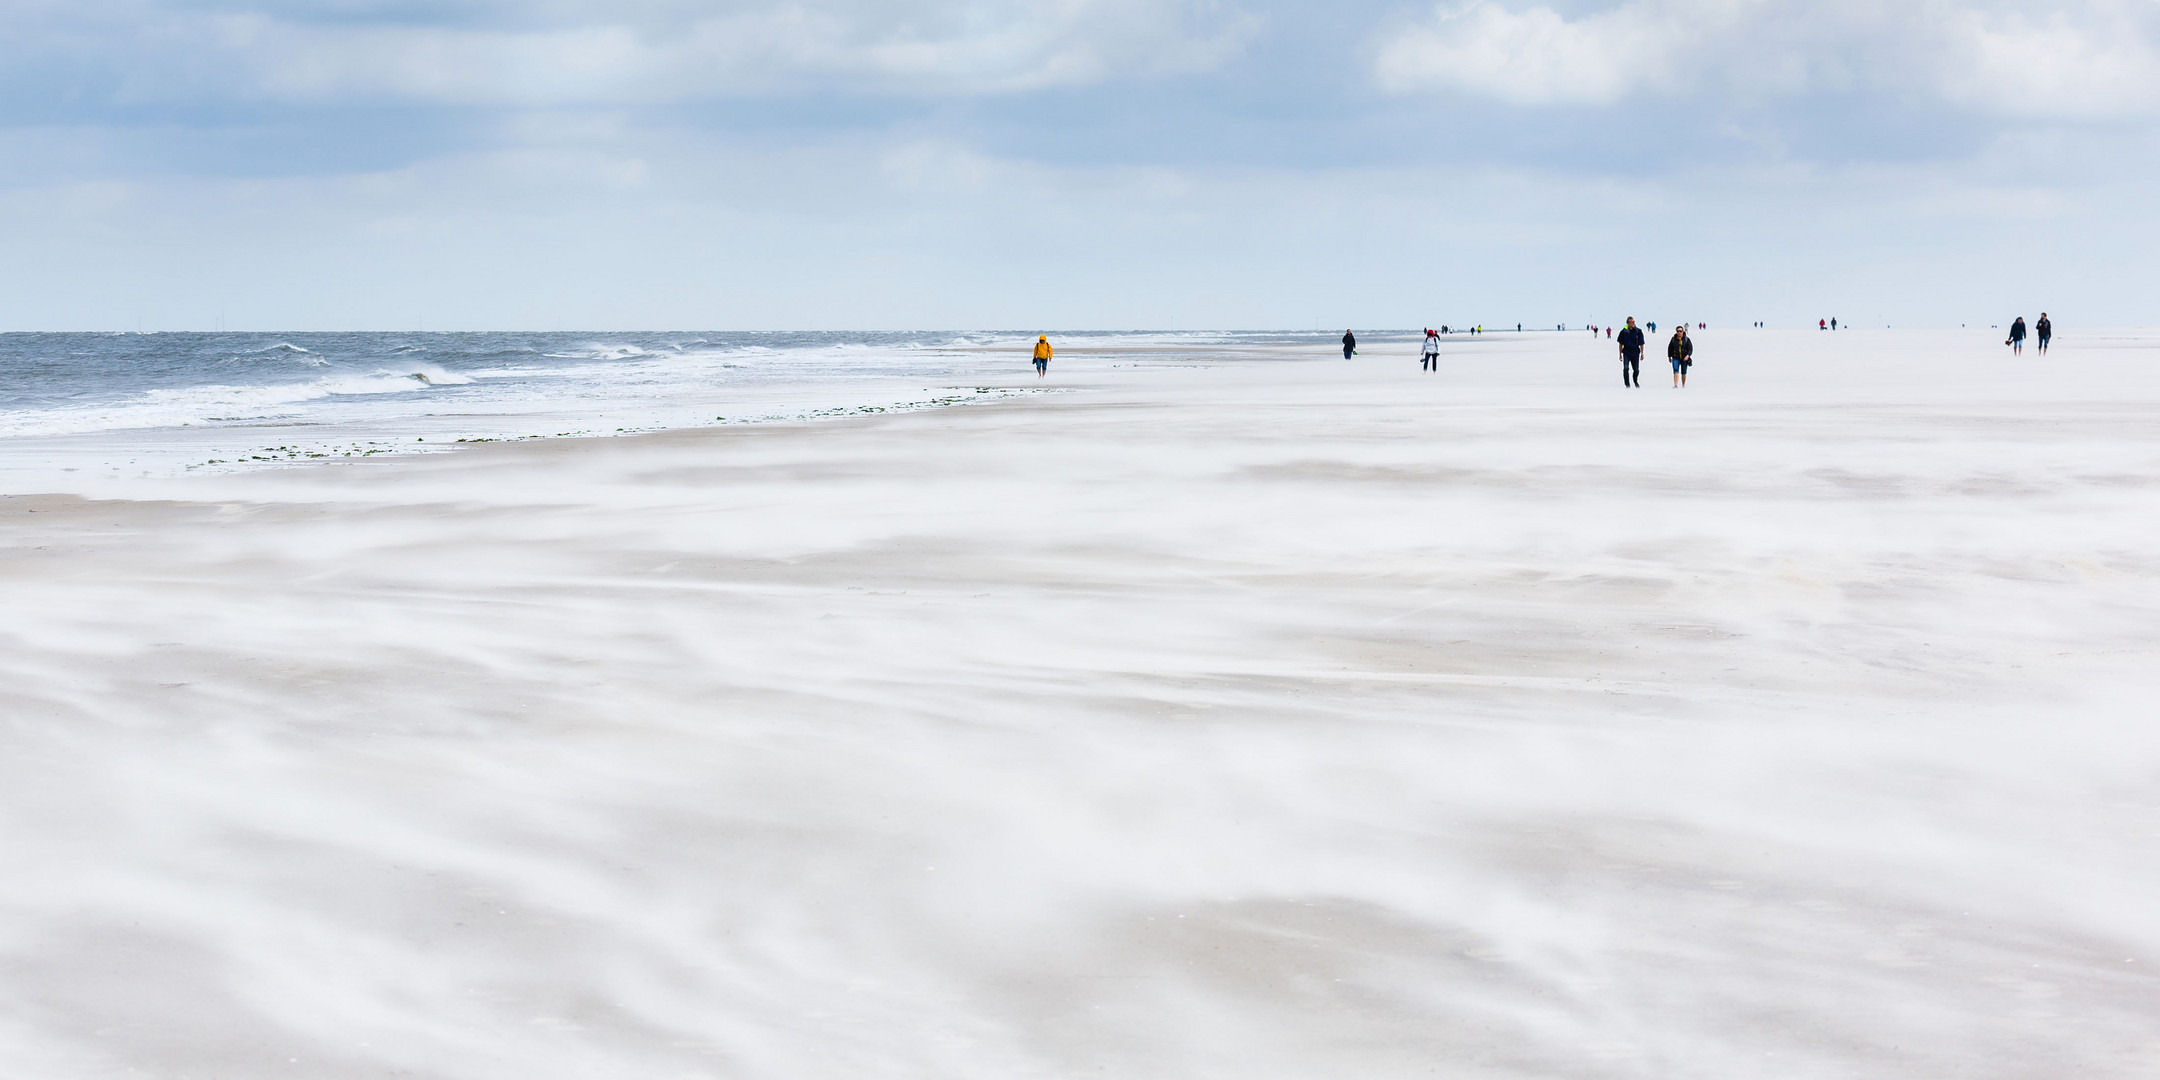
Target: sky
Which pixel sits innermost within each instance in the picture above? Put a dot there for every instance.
(1002, 164)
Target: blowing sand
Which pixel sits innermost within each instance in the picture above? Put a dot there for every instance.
(1268, 718)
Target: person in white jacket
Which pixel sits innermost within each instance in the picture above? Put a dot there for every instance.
(1432, 350)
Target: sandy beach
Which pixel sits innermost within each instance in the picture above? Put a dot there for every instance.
(1255, 716)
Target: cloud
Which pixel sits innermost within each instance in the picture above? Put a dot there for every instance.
(2091, 60)
(2095, 59)
(591, 53)
(1537, 57)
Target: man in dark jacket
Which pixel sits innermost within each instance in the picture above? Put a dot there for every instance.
(1631, 346)
(2042, 331)
(1349, 344)
(1681, 351)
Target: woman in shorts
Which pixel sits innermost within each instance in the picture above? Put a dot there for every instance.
(1681, 351)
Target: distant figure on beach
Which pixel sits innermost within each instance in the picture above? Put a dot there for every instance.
(1653, 327)
(2042, 331)
(1822, 324)
(1432, 351)
(1631, 346)
(1349, 344)
(1042, 356)
(2016, 341)
(1681, 351)
(1833, 323)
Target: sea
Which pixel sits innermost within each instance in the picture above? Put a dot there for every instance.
(137, 405)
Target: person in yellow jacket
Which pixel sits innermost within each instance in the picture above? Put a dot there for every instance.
(1042, 355)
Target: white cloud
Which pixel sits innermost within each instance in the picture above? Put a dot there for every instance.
(600, 54)
(2084, 59)
(2091, 60)
(1537, 57)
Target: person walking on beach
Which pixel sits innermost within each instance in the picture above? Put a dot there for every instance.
(1349, 344)
(2016, 341)
(2042, 331)
(1432, 351)
(1822, 324)
(1042, 356)
(1681, 351)
(1631, 346)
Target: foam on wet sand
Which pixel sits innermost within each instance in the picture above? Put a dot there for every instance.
(1244, 719)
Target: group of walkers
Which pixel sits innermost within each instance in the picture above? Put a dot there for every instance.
(2042, 331)
(1680, 351)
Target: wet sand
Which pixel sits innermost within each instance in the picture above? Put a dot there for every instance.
(1301, 718)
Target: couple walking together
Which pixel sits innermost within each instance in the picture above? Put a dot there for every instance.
(1680, 350)
(2044, 330)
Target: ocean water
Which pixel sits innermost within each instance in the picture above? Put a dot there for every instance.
(130, 405)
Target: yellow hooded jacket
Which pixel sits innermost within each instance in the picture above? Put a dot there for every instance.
(1042, 347)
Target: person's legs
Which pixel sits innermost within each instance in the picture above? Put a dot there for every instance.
(1041, 368)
